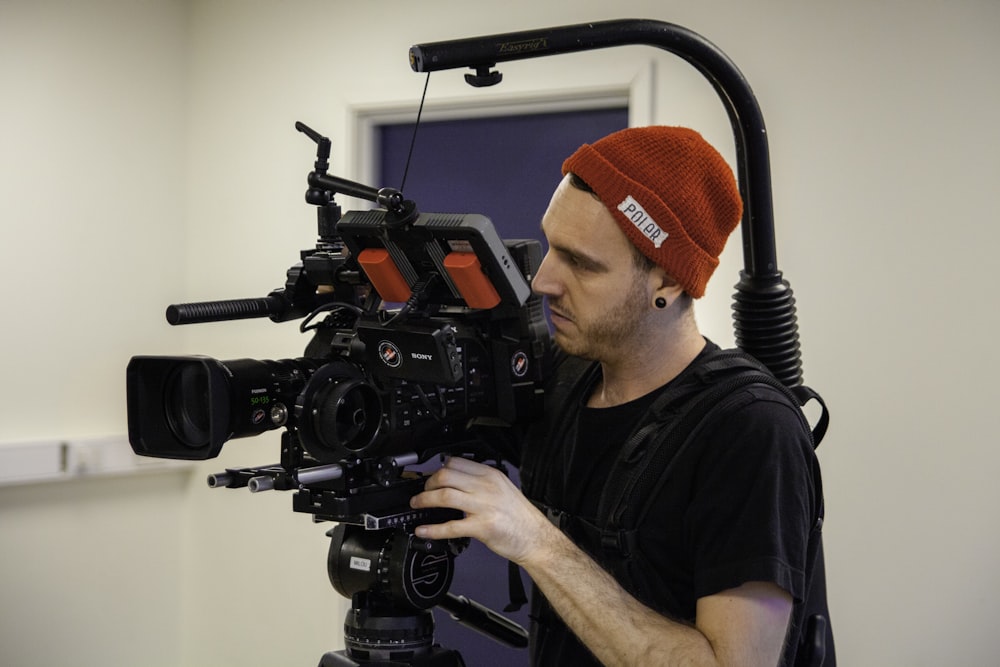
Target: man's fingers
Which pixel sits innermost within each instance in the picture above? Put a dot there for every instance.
(448, 478)
(446, 496)
(444, 531)
(467, 466)
(459, 473)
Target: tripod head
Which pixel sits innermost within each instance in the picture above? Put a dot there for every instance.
(393, 579)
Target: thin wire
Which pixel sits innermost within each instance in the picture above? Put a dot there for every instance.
(413, 140)
(306, 324)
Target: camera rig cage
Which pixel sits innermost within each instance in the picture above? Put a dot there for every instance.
(426, 341)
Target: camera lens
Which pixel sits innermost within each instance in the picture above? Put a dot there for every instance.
(186, 402)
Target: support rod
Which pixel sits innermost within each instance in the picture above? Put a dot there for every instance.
(752, 156)
(764, 308)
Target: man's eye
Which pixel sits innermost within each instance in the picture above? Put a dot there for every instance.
(578, 262)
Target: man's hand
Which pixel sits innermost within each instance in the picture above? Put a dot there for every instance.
(496, 512)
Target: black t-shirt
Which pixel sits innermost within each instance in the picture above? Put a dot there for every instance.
(741, 503)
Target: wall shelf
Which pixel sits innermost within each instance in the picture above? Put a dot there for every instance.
(48, 460)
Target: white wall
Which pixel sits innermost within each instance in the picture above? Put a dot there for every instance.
(148, 157)
(92, 209)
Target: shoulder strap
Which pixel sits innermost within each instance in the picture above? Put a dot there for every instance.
(802, 396)
(570, 378)
(563, 394)
(649, 452)
(675, 416)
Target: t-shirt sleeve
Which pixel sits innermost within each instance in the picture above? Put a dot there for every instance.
(753, 501)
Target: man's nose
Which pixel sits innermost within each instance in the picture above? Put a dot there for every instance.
(542, 283)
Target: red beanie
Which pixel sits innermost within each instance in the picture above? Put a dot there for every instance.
(672, 194)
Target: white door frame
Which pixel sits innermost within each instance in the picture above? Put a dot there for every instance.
(637, 93)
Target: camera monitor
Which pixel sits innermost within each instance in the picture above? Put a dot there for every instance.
(462, 250)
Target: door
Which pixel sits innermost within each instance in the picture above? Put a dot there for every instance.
(504, 167)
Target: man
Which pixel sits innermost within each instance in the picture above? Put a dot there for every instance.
(726, 567)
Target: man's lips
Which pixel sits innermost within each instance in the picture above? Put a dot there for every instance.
(559, 317)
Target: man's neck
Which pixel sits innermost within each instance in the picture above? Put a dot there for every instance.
(638, 374)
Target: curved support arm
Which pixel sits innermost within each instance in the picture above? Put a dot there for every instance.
(753, 162)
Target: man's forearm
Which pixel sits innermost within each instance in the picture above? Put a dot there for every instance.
(611, 623)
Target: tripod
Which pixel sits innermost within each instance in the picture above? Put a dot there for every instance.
(392, 577)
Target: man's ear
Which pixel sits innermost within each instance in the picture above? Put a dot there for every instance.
(663, 284)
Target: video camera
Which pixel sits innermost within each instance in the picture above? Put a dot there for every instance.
(426, 340)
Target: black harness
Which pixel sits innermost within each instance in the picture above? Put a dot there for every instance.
(645, 461)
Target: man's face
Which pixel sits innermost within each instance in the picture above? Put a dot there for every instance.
(597, 297)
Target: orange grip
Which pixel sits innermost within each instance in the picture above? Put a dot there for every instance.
(384, 274)
(467, 274)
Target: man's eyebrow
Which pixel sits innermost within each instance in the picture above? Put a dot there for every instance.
(586, 260)
(574, 253)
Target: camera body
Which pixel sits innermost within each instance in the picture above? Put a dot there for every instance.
(426, 340)
(371, 383)
(369, 389)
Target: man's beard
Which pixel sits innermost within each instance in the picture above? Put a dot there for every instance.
(602, 338)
